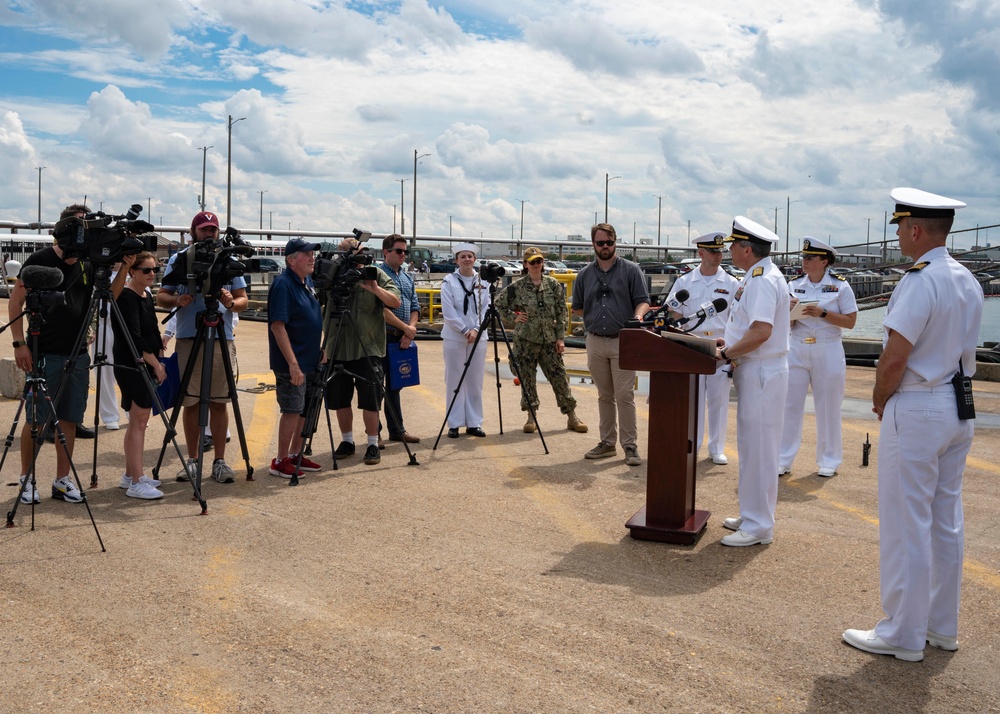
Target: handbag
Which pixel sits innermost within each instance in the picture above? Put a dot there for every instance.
(404, 367)
(167, 391)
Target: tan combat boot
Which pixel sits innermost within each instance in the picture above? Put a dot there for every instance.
(573, 422)
(529, 426)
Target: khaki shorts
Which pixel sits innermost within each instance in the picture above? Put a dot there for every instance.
(220, 389)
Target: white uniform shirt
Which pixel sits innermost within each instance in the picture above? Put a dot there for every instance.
(937, 307)
(833, 293)
(458, 320)
(761, 297)
(706, 288)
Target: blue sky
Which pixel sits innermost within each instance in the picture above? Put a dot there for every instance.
(724, 109)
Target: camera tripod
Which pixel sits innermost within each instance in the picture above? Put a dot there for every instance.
(325, 374)
(492, 320)
(35, 386)
(205, 340)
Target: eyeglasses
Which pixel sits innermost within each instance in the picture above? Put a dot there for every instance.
(147, 271)
(604, 243)
(536, 261)
(399, 251)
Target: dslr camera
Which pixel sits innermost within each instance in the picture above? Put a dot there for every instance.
(491, 272)
(104, 239)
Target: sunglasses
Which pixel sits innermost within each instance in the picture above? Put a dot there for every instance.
(147, 271)
(536, 261)
(604, 243)
(399, 251)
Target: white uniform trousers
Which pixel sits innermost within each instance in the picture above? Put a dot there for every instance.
(760, 385)
(107, 400)
(921, 458)
(713, 403)
(821, 365)
(468, 408)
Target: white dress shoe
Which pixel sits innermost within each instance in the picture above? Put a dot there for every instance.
(720, 459)
(782, 470)
(868, 641)
(741, 538)
(732, 524)
(826, 472)
(942, 642)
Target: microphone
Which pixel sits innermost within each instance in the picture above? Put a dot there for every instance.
(40, 277)
(679, 298)
(707, 311)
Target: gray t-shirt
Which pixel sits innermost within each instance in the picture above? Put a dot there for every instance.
(608, 299)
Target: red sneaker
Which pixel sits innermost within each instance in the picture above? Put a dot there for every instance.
(284, 468)
(307, 463)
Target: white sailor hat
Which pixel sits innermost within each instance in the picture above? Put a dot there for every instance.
(711, 241)
(745, 229)
(914, 203)
(459, 247)
(814, 246)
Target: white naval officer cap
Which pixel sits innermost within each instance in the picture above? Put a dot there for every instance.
(714, 241)
(814, 246)
(459, 247)
(745, 229)
(914, 203)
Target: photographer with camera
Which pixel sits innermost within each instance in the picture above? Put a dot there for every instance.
(295, 331)
(400, 327)
(175, 292)
(61, 328)
(352, 355)
(537, 305)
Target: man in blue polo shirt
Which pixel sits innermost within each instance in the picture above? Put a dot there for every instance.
(295, 331)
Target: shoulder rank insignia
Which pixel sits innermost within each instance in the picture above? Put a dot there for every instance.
(838, 276)
(757, 272)
(919, 266)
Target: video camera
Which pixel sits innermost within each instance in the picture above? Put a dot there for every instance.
(102, 239)
(337, 272)
(215, 263)
(491, 272)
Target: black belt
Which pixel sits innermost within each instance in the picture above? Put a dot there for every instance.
(393, 331)
(607, 337)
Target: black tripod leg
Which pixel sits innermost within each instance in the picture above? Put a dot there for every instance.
(461, 380)
(380, 387)
(517, 373)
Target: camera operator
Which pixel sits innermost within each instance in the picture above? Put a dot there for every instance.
(400, 327)
(355, 352)
(175, 293)
(295, 331)
(60, 329)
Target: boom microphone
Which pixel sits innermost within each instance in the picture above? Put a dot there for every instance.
(40, 277)
(706, 312)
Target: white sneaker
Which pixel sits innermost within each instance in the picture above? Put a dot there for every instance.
(189, 471)
(732, 524)
(144, 490)
(126, 481)
(64, 489)
(741, 538)
(222, 472)
(112, 426)
(720, 459)
(826, 473)
(30, 494)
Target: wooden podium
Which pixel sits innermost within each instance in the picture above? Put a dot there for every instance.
(669, 515)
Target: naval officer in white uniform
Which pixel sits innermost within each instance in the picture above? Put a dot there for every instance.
(756, 345)
(931, 332)
(704, 284)
(816, 357)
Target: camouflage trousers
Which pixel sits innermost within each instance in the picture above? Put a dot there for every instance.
(530, 356)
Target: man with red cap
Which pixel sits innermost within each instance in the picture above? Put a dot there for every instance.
(175, 292)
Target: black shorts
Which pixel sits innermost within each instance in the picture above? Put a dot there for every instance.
(340, 389)
(133, 387)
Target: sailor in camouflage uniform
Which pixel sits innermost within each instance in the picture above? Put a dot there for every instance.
(537, 305)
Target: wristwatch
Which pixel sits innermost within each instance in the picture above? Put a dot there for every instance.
(19, 343)
(722, 354)
(823, 314)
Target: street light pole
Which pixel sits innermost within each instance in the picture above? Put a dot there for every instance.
(40, 198)
(204, 161)
(523, 201)
(402, 208)
(413, 220)
(607, 179)
(262, 192)
(229, 170)
(788, 210)
(659, 215)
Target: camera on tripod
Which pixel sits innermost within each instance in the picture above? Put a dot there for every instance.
(337, 272)
(492, 272)
(104, 239)
(218, 261)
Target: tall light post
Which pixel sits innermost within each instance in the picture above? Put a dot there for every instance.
(394, 218)
(523, 201)
(229, 170)
(413, 219)
(204, 161)
(40, 198)
(270, 221)
(868, 236)
(776, 209)
(607, 179)
(149, 208)
(788, 210)
(659, 215)
(402, 208)
(262, 192)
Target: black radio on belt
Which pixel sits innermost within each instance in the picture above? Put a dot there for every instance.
(963, 394)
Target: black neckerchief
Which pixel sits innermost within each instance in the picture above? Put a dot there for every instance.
(468, 293)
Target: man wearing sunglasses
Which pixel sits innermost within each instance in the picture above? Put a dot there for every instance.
(608, 293)
(400, 327)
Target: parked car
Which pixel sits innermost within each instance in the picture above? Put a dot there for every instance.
(446, 266)
(554, 266)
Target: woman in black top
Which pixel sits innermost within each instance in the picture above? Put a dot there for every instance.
(139, 317)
